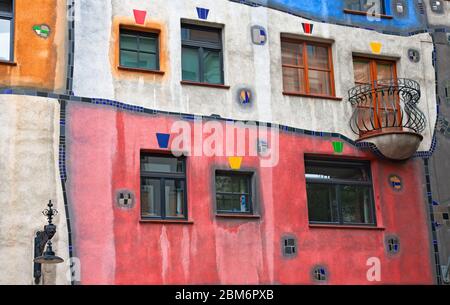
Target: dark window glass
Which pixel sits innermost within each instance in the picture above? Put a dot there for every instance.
(233, 192)
(375, 6)
(201, 54)
(6, 30)
(339, 192)
(163, 187)
(139, 50)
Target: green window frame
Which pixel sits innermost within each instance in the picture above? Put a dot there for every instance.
(163, 187)
(139, 50)
(7, 30)
(339, 192)
(364, 5)
(202, 54)
(233, 191)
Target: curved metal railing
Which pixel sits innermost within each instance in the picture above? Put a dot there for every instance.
(386, 104)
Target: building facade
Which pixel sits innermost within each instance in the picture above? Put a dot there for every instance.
(226, 142)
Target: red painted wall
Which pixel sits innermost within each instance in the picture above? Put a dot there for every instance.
(114, 247)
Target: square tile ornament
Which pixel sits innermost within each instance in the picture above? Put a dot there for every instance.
(259, 35)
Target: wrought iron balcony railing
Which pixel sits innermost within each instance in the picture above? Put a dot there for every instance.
(386, 105)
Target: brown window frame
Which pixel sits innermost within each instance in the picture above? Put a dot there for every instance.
(306, 68)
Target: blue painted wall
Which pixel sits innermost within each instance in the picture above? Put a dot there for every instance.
(332, 11)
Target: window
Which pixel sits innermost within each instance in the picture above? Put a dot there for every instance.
(202, 54)
(339, 192)
(371, 6)
(233, 192)
(307, 67)
(382, 109)
(6, 30)
(139, 50)
(163, 187)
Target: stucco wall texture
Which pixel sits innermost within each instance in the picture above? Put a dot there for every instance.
(29, 141)
(114, 247)
(38, 62)
(245, 64)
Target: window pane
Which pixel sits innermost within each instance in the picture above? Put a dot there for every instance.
(318, 57)
(385, 71)
(327, 172)
(293, 80)
(151, 197)
(232, 184)
(319, 82)
(190, 63)
(362, 72)
(205, 36)
(322, 204)
(292, 53)
(6, 6)
(356, 204)
(233, 193)
(174, 192)
(5, 39)
(232, 203)
(147, 44)
(128, 42)
(212, 72)
(148, 61)
(162, 164)
(128, 59)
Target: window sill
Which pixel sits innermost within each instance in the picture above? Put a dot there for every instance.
(140, 70)
(8, 63)
(185, 82)
(362, 13)
(325, 97)
(244, 216)
(167, 221)
(356, 227)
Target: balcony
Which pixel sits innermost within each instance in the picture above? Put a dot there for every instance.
(386, 114)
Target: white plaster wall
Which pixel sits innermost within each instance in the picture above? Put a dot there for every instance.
(438, 19)
(245, 64)
(29, 140)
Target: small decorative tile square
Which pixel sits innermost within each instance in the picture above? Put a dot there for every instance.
(414, 55)
(338, 147)
(163, 140)
(289, 246)
(395, 182)
(245, 96)
(262, 147)
(139, 16)
(202, 13)
(392, 244)
(319, 274)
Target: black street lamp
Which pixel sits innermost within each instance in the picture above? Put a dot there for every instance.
(43, 238)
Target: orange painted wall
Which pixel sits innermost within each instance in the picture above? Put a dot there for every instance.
(38, 62)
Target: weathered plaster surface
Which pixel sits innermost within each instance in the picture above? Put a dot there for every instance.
(29, 140)
(245, 64)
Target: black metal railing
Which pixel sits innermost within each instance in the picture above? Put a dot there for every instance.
(386, 105)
